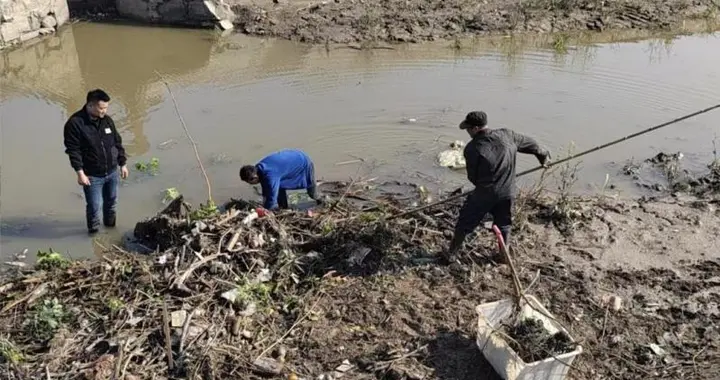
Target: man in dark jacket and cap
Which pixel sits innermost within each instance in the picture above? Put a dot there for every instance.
(490, 158)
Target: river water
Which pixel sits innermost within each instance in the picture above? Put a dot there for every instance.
(396, 109)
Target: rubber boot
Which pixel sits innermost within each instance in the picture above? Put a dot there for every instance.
(109, 221)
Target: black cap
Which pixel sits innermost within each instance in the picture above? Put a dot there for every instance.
(474, 119)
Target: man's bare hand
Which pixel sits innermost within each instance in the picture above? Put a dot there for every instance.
(124, 172)
(544, 160)
(82, 179)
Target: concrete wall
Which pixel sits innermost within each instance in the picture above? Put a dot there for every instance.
(189, 12)
(22, 20)
(92, 8)
(179, 12)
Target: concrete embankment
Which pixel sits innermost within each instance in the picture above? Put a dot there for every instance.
(24, 20)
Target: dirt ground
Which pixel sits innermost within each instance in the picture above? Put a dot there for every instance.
(660, 257)
(368, 21)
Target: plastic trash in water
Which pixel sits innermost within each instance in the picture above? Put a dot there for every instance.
(453, 158)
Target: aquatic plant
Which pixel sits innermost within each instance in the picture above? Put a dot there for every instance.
(151, 167)
(51, 260)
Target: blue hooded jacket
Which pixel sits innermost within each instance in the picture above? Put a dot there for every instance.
(289, 169)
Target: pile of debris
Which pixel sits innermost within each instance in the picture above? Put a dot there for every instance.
(342, 292)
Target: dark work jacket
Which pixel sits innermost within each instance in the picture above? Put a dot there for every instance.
(95, 146)
(490, 158)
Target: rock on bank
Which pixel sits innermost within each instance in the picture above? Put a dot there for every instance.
(23, 20)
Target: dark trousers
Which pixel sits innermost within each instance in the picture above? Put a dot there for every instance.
(312, 190)
(102, 192)
(476, 206)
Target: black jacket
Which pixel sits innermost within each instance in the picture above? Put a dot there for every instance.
(490, 159)
(95, 146)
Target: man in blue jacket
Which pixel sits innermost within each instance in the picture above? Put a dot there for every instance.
(289, 169)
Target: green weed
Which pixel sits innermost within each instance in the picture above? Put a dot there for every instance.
(9, 353)
(327, 228)
(253, 292)
(114, 304)
(46, 318)
(204, 211)
(51, 260)
(369, 217)
(151, 167)
(170, 194)
(560, 43)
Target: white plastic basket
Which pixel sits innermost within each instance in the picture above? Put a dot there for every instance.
(504, 360)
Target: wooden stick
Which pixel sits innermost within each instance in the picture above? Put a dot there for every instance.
(232, 215)
(290, 330)
(186, 328)
(119, 360)
(566, 159)
(187, 133)
(166, 331)
(183, 277)
(39, 291)
(347, 162)
(506, 252)
(320, 222)
(233, 241)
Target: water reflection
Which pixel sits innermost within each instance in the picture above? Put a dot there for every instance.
(39, 228)
(120, 59)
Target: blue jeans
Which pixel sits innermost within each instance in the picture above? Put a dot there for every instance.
(101, 192)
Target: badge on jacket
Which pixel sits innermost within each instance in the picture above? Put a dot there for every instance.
(107, 131)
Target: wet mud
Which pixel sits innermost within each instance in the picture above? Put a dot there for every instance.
(351, 21)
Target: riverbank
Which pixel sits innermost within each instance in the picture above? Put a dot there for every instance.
(372, 22)
(349, 21)
(392, 21)
(346, 292)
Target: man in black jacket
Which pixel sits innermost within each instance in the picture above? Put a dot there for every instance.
(95, 149)
(490, 158)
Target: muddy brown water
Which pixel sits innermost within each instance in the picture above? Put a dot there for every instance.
(244, 97)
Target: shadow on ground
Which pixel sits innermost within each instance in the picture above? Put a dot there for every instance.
(454, 355)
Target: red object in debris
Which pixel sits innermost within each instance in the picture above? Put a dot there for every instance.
(261, 211)
(498, 235)
(311, 213)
